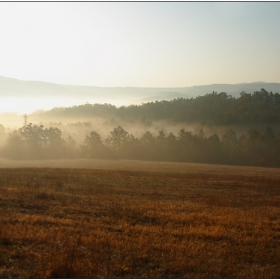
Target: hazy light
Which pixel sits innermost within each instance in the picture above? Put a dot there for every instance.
(28, 105)
(158, 44)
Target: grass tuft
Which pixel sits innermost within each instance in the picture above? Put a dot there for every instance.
(82, 223)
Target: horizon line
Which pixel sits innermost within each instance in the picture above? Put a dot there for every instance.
(142, 87)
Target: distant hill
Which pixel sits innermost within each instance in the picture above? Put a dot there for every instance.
(261, 107)
(10, 87)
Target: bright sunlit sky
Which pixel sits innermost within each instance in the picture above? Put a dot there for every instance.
(148, 44)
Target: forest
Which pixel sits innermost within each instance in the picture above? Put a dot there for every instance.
(256, 147)
(210, 109)
(68, 216)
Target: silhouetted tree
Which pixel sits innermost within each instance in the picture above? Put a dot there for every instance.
(117, 138)
(35, 142)
(215, 108)
(230, 147)
(93, 146)
(148, 143)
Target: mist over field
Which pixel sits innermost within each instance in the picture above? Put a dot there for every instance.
(139, 140)
(214, 128)
(45, 103)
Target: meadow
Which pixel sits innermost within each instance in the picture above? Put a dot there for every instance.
(133, 219)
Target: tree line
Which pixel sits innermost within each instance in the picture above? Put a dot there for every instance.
(261, 107)
(253, 148)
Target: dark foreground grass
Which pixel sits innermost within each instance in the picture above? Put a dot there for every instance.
(79, 223)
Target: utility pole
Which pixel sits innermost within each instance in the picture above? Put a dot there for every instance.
(25, 119)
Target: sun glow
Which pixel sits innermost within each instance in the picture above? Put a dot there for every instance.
(27, 105)
(140, 44)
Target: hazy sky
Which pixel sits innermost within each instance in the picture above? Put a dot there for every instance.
(148, 44)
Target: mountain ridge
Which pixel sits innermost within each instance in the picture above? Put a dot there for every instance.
(10, 87)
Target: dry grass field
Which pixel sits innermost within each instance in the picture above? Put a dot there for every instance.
(128, 219)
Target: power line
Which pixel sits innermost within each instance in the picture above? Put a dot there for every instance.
(25, 119)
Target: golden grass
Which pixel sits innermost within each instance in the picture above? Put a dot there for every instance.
(196, 221)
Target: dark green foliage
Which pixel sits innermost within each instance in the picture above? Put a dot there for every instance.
(92, 145)
(253, 148)
(36, 142)
(117, 138)
(261, 107)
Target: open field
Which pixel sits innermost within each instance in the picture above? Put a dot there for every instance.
(129, 219)
(136, 165)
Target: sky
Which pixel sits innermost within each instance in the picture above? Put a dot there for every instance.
(146, 44)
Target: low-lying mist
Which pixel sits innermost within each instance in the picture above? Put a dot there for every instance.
(215, 128)
(79, 128)
(117, 138)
